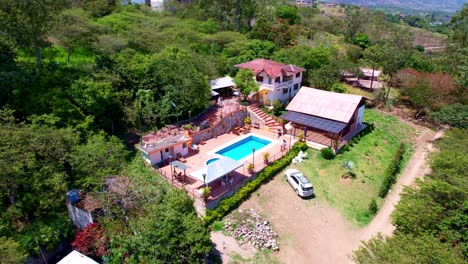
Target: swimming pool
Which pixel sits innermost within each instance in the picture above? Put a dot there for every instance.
(211, 161)
(243, 148)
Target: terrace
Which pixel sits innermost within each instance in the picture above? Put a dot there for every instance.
(189, 172)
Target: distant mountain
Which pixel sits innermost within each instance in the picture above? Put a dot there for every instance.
(416, 5)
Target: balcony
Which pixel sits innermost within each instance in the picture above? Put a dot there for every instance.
(275, 86)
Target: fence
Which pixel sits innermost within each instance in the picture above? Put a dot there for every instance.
(219, 192)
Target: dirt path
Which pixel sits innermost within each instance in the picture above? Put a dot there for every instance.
(416, 168)
(310, 231)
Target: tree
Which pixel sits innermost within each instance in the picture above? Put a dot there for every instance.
(325, 77)
(91, 240)
(455, 115)
(288, 13)
(11, 251)
(76, 31)
(27, 23)
(361, 40)
(99, 8)
(244, 80)
(405, 250)
(99, 158)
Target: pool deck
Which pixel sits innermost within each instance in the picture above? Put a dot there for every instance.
(196, 160)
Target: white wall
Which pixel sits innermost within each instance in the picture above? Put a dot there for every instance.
(360, 115)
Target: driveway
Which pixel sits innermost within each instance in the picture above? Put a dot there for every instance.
(310, 231)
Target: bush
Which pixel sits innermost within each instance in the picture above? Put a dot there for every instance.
(327, 153)
(455, 115)
(392, 171)
(357, 138)
(228, 204)
(247, 120)
(373, 209)
(338, 88)
(266, 157)
(277, 107)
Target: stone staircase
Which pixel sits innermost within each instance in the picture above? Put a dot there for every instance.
(209, 118)
(269, 121)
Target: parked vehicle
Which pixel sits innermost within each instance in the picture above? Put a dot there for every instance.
(299, 183)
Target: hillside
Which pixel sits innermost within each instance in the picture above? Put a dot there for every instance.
(416, 5)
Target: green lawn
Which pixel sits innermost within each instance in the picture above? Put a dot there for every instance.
(371, 157)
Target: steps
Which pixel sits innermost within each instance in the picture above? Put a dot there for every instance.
(269, 121)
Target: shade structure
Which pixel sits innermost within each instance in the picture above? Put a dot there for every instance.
(179, 165)
(216, 170)
(76, 257)
(314, 122)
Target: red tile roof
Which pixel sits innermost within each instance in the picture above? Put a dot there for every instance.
(271, 68)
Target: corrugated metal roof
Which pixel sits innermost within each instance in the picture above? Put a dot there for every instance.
(335, 106)
(216, 169)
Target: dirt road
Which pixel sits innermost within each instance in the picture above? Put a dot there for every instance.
(312, 232)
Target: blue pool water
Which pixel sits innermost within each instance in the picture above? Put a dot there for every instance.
(211, 161)
(243, 148)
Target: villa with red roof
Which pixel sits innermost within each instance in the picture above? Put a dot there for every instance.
(277, 81)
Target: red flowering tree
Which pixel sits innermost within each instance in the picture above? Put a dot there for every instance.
(91, 240)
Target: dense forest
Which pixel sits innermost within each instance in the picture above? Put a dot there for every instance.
(80, 79)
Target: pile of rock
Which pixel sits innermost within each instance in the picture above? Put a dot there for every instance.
(249, 227)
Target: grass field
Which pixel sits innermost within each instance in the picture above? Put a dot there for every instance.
(371, 157)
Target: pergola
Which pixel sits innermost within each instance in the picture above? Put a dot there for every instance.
(181, 166)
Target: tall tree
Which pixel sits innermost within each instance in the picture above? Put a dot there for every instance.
(27, 23)
(245, 82)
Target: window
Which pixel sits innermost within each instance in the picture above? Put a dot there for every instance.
(259, 78)
(184, 145)
(278, 80)
(296, 86)
(166, 150)
(285, 90)
(269, 80)
(298, 75)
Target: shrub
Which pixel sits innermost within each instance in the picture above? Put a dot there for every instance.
(91, 240)
(357, 138)
(392, 170)
(228, 204)
(277, 107)
(455, 115)
(373, 209)
(247, 120)
(206, 192)
(327, 153)
(338, 88)
(266, 157)
(250, 167)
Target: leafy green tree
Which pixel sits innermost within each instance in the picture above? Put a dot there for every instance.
(11, 251)
(99, 158)
(99, 8)
(27, 23)
(325, 77)
(76, 31)
(405, 249)
(455, 115)
(245, 82)
(288, 13)
(361, 40)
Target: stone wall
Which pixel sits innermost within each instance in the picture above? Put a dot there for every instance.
(256, 119)
(222, 127)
